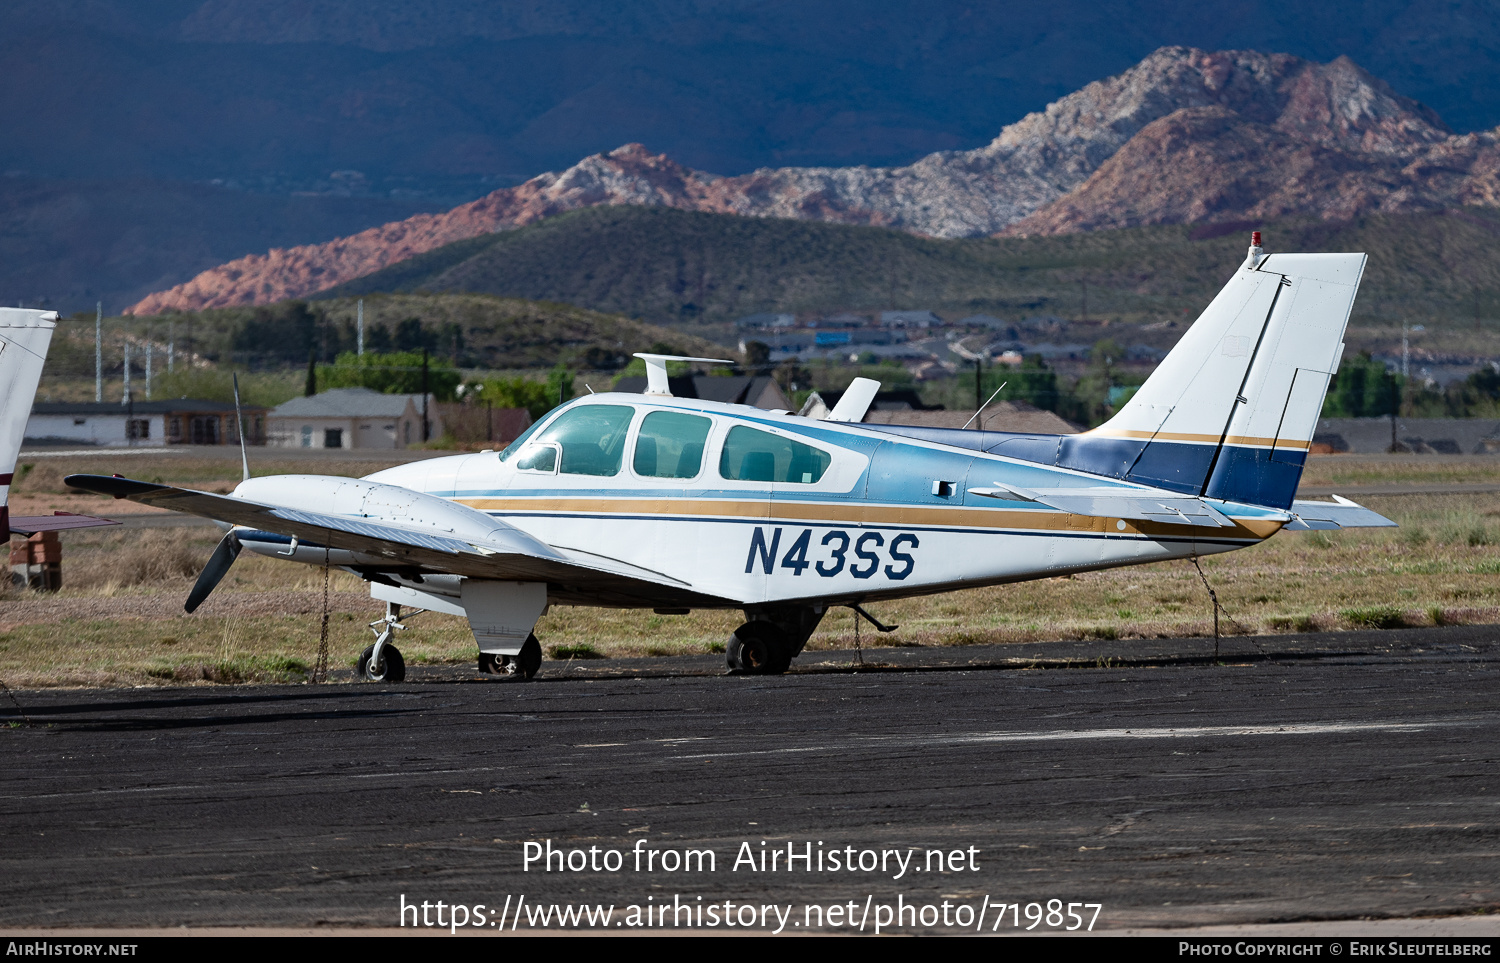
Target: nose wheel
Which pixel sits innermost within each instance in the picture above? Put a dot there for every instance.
(390, 668)
(382, 662)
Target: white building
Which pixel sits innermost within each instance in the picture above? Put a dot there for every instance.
(183, 421)
(351, 418)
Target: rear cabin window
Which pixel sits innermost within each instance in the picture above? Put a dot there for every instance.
(592, 438)
(751, 455)
(670, 445)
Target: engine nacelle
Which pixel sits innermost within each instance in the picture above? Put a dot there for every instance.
(377, 502)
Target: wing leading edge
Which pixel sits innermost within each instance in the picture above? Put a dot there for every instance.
(504, 552)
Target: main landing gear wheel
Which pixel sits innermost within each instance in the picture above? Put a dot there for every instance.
(529, 660)
(524, 665)
(392, 667)
(758, 648)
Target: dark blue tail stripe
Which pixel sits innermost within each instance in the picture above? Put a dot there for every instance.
(1248, 475)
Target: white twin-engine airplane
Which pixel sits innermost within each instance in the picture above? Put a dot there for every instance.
(672, 503)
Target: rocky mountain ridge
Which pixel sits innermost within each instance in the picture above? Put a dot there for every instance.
(1185, 135)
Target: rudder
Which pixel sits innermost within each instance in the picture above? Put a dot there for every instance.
(1230, 412)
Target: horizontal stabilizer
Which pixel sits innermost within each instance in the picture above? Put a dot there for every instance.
(1339, 513)
(1117, 503)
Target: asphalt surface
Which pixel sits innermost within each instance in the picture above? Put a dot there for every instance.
(1296, 778)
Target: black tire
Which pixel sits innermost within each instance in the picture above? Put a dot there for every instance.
(530, 658)
(491, 664)
(758, 648)
(394, 668)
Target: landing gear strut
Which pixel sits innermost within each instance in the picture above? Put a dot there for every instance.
(767, 643)
(523, 664)
(758, 648)
(382, 662)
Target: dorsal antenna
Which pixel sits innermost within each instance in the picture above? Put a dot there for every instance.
(239, 420)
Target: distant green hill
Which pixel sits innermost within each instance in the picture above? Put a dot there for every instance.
(670, 266)
(470, 330)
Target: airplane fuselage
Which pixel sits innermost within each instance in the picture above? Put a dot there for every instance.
(885, 517)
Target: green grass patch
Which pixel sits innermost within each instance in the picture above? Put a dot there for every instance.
(577, 650)
(1375, 617)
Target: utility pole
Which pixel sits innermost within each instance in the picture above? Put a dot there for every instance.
(978, 391)
(1405, 403)
(99, 353)
(148, 364)
(125, 399)
(359, 325)
(171, 345)
(425, 423)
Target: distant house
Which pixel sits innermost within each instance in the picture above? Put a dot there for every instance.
(767, 321)
(759, 391)
(473, 424)
(1016, 416)
(181, 421)
(351, 418)
(909, 319)
(1422, 436)
(887, 399)
(902, 407)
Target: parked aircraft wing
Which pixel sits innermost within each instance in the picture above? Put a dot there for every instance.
(1117, 503)
(1339, 513)
(56, 522)
(504, 553)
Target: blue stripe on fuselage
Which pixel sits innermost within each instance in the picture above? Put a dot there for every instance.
(1242, 474)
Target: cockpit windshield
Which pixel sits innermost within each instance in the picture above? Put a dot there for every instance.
(592, 438)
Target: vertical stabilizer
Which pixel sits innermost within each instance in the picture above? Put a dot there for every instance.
(24, 337)
(1230, 412)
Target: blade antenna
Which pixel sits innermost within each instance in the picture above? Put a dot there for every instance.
(986, 403)
(239, 420)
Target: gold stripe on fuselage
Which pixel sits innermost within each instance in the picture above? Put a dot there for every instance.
(1254, 441)
(867, 514)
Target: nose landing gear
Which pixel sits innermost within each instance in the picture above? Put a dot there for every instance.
(382, 662)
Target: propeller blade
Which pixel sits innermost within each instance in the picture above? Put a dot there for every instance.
(214, 571)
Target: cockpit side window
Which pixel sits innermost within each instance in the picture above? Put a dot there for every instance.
(670, 445)
(592, 438)
(751, 455)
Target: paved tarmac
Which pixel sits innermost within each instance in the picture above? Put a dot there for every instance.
(1322, 777)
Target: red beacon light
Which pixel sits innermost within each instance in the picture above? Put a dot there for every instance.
(1255, 239)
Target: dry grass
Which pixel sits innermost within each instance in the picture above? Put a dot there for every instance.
(122, 621)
